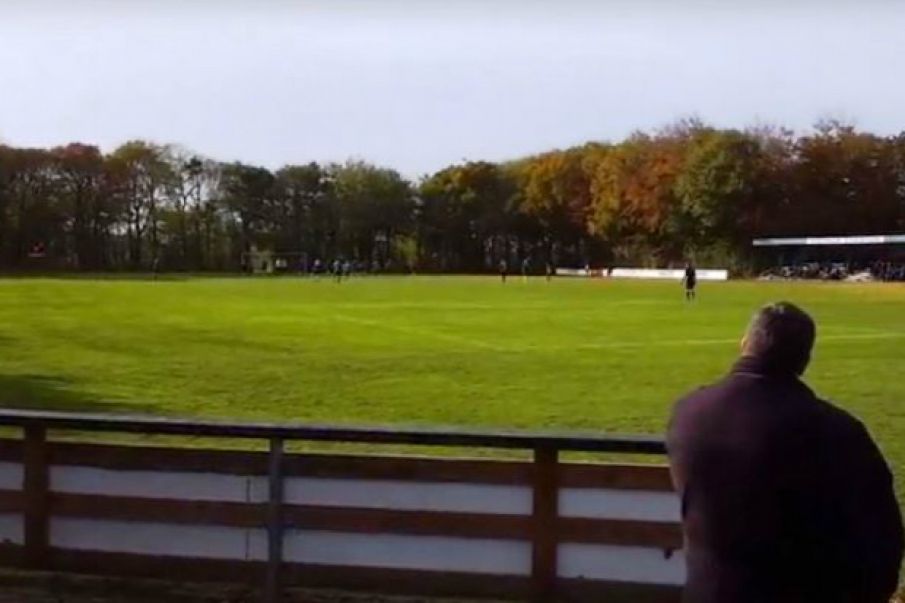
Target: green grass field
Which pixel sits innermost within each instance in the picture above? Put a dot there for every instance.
(572, 354)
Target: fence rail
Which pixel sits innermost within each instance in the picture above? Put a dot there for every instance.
(549, 522)
(473, 438)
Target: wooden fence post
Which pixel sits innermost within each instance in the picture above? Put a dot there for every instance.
(546, 503)
(272, 584)
(35, 493)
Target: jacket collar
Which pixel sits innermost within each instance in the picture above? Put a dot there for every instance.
(758, 367)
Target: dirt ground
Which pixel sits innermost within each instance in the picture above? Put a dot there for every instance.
(44, 595)
(35, 587)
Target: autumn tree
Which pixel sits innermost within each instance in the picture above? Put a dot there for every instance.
(634, 197)
(466, 215)
(31, 211)
(554, 189)
(653, 198)
(247, 193)
(717, 188)
(375, 205)
(143, 178)
(80, 173)
(306, 209)
(844, 181)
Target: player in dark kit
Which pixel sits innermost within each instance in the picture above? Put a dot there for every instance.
(691, 281)
(504, 270)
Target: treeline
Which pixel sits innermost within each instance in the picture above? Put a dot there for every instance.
(688, 190)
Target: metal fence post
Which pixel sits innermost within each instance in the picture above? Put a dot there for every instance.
(272, 586)
(546, 503)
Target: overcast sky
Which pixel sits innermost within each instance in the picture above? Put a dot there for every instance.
(419, 84)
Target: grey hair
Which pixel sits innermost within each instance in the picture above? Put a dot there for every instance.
(782, 335)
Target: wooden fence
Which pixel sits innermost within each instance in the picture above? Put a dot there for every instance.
(542, 529)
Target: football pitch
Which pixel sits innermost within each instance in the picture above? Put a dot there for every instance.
(569, 354)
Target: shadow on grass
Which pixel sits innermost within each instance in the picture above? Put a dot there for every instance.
(44, 392)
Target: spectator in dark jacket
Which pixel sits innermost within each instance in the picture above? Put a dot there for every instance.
(785, 498)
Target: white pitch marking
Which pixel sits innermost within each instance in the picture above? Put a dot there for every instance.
(854, 336)
(704, 342)
(426, 333)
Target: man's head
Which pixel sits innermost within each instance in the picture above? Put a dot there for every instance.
(782, 336)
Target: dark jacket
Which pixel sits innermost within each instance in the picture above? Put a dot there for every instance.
(785, 498)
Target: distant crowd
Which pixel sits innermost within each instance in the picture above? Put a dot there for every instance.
(344, 268)
(888, 271)
(838, 271)
(338, 268)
